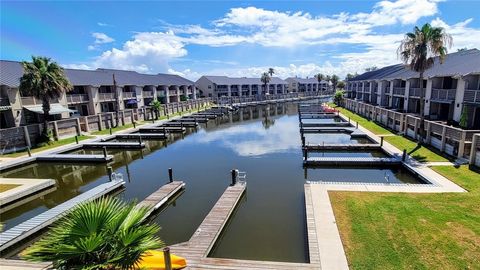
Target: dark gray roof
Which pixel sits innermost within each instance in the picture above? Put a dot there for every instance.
(455, 64)
(11, 71)
(304, 80)
(224, 80)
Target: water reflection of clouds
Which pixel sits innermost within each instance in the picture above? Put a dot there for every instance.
(253, 139)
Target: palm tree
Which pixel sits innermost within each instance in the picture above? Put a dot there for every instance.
(320, 77)
(418, 50)
(265, 80)
(156, 107)
(334, 80)
(271, 71)
(45, 80)
(102, 234)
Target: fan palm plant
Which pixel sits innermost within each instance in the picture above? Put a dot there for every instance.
(418, 50)
(102, 234)
(46, 81)
(265, 80)
(156, 105)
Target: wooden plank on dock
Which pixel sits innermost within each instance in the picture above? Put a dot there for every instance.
(21, 264)
(115, 145)
(75, 158)
(27, 228)
(158, 198)
(180, 124)
(351, 161)
(162, 129)
(334, 124)
(191, 119)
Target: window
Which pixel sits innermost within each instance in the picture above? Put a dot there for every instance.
(209, 87)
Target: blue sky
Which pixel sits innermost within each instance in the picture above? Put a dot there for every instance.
(237, 38)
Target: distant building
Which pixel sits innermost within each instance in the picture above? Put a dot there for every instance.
(296, 84)
(93, 93)
(449, 88)
(219, 86)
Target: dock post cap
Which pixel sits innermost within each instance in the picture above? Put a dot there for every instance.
(167, 258)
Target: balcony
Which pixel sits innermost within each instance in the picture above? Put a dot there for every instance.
(399, 91)
(147, 94)
(106, 96)
(4, 101)
(443, 94)
(77, 98)
(129, 95)
(472, 96)
(415, 92)
(26, 101)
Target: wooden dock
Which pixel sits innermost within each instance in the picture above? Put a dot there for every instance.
(351, 147)
(358, 161)
(75, 158)
(137, 136)
(191, 119)
(180, 124)
(202, 241)
(27, 228)
(335, 124)
(163, 129)
(23, 265)
(158, 198)
(115, 145)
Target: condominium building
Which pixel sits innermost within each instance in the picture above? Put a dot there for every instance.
(219, 86)
(451, 89)
(296, 84)
(93, 92)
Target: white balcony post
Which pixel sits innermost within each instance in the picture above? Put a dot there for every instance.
(406, 96)
(390, 101)
(167, 94)
(229, 91)
(428, 97)
(458, 103)
(249, 90)
(194, 91)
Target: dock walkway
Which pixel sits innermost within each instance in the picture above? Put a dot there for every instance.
(27, 228)
(158, 198)
(138, 136)
(350, 146)
(115, 145)
(75, 158)
(350, 161)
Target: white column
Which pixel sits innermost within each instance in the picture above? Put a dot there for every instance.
(406, 96)
(250, 90)
(428, 96)
(167, 94)
(370, 90)
(458, 104)
(194, 89)
(380, 93)
(229, 91)
(139, 94)
(240, 89)
(390, 102)
(178, 92)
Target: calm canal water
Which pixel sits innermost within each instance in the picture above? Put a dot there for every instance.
(269, 222)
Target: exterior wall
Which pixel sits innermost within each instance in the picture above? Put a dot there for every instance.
(207, 86)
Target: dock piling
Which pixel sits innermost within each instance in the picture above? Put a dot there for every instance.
(381, 141)
(234, 176)
(404, 155)
(110, 130)
(109, 172)
(29, 152)
(104, 151)
(170, 175)
(167, 259)
(76, 139)
(349, 119)
(134, 126)
(140, 139)
(356, 126)
(303, 140)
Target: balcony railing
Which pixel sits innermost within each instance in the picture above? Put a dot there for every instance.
(415, 92)
(106, 96)
(443, 94)
(129, 95)
(33, 101)
(399, 91)
(4, 101)
(147, 94)
(472, 95)
(77, 98)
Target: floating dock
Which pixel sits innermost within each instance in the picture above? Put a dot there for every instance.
(191, 119)
(336, 124)
(180, 124)
(75, 158)
(16, 234)
(142, 136)
(158, 198)
(25, 190)
(202, 241)
(358, 161)
(115, 145)
(317, 115)
(352, 147)
(163, 129)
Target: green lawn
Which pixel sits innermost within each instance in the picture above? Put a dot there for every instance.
(412, 231)
(422, 153)
(51, 145)
(107, 131)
